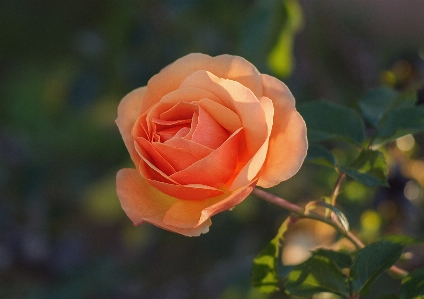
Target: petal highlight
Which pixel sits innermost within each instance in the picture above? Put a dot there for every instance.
(254, 165)
(221, 114)
(288, 143)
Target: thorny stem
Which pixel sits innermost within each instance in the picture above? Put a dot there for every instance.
(280, 202)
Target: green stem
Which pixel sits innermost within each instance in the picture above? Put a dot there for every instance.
(337, 188)
(280, 202)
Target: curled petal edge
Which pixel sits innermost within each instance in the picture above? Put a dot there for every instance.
(143, 203)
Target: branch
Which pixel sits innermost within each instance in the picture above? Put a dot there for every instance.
(280, 202)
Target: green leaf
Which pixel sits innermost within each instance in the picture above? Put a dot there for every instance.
(388, 296)
(375, 102)
(264, 276)
(399, 122)
(318, 154)
(280, 59)
(341, 259)
(412, 286)
(317, 274)
(369, 168)
(371, 261)
(394, 114)
(378, 101)
(327, 121)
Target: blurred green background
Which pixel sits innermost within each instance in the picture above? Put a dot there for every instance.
(65, 65)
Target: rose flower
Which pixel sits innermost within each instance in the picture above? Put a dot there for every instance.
(202, 134)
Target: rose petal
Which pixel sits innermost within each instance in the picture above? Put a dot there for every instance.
(239, 99)
(240, 70)
(254, 165)
(184, 213)
(167, 128)
(181, 110)
(208, 132)
(288, 144)
(167, 134)
(231, 201)
(221, 114)
(150, 153)
(178, 158)
(142, 202)
(139, 129)
(224, 66)
(190, 146)
(181, 133)
(173, 98)
(187, 94)
(162, 124)
(189, 232)
(150, 172)
(127, 116)
(194, 122)
(186, 192)
(213, 170)
(139, 200)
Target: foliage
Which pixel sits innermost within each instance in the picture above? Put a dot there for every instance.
(325, 271)
(392, 114)
(264, 273)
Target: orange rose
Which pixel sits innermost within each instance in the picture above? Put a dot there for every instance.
(202, 134)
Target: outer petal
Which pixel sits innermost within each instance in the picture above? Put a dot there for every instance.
(127, 116)
(141, 202)
(189, 232)
(187, 214)
(224, 66)
(254, 165)
(239, 69)
(288, 143)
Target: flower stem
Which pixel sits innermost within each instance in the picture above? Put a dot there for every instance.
(280, 202)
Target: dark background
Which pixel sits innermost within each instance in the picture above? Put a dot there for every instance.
(65, 65)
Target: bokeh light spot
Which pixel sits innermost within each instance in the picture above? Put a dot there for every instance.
(370, 223)
(412, 191)
(355, 191)
(405, 143)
